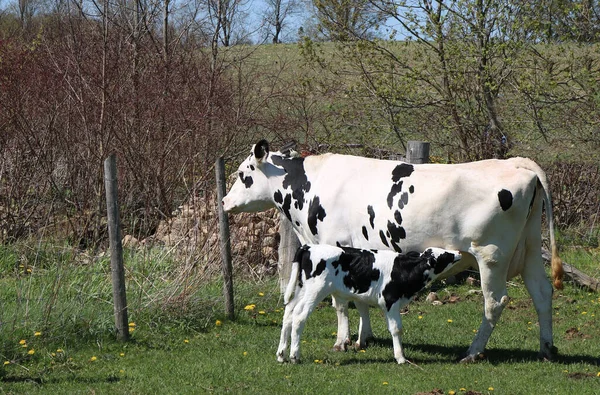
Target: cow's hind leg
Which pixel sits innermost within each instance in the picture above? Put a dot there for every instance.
(493, 270)
(540, 290)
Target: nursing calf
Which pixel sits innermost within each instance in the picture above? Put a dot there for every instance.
(370, 277)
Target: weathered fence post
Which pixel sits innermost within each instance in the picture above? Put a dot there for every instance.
(288, 244)
(116, 248)
(225, 243)
(417, 152)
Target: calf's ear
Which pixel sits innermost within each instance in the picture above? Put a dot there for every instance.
(261, 150)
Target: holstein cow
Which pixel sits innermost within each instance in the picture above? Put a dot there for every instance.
(490, 211)
(374, 278)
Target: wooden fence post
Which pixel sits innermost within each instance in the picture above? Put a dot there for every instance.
(224, 241)
(116, 248)
(288, 244)
(417, 152)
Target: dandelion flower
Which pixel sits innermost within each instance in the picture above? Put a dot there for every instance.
(363, 350)
(22, 342)
(250, 307)
(122, 354)
(450, 321)
(53, 354)
(318, 361)
(261, 294)
(463, 389)
(491, 389)
(385, 383)
(596, 375)
(37, 334)
(131, 329)
(218, 323)
(121, 371)
(245, 353)
(186, 341)
(261, 312)
(451, 392)
(584, 312)
(31, 352)
(8, 363)
(93, 358)
(132, 324)
(59, 350)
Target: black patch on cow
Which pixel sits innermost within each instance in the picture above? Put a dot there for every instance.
(246, 180)
(261, 149)
(396, 233)
(358, 264)
(398, 217)
(383, 239)
(316, 212)
(252, 167)
(411, 189)
(295, 178)
(505, 198)
(285, 207)
(297, 223)
(407, 278)
(338, 244)
(396, 188)
(403, 200)
(365, 232)
(371, 216)
(278, 197)
(402, 170)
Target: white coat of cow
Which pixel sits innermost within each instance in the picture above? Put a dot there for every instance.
(489, 210)
(376, 278)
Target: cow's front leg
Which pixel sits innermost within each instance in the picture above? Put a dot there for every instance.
(365, 332)
(343, 330)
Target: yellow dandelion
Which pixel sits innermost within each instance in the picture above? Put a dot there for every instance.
(334, 333)
(122, 354)
(261, 294)
(250, 307)
(385, 383)
(31, 352)
(93, 358)
(598, 375)
(490, 388)
(463, 389)
(8, 363)
(218, 323)
(22, 342)
(53, 354)
(131, 329)
(122, 371)
(28, 270)
(318, 361)
(59, 350)
(449, 321)
(363, 350)
(245, 353)
(186, 341)
(420, 317)
(37, 334)
(584, 312)
(132, 324)
(451, 392)
(261, 312)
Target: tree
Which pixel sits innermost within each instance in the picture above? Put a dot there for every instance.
(344, 20)
(277, 14)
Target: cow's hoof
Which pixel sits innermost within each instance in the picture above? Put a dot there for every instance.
(472, 358)
(343, 346)
(548, 353)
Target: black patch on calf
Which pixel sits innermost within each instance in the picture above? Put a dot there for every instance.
(315, 212)
(383, 239)
(365, 232)
(441, 263)
(358, 264)
(371, 213)
(261, 149)
(505, 198)
(295, 177)
(302, 256)
(411, 189)
(407, 278)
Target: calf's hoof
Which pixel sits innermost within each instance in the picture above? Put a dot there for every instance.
(294, 360)
(280, 358)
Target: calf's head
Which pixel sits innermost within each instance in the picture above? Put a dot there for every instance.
(251, 191)
(440, 260)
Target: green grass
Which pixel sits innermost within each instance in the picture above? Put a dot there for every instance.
(179, 347)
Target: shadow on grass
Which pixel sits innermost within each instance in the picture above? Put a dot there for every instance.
(453, 354)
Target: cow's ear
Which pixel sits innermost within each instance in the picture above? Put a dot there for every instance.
(261, 150)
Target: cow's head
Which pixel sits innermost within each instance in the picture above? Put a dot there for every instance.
(251, 191)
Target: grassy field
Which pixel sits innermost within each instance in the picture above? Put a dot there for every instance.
(191, 348)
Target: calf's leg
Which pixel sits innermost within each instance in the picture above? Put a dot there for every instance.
(286, 327)
(394, 321)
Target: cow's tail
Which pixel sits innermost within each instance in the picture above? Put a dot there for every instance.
(556, 262)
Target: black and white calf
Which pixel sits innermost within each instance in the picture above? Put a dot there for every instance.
(373, 278)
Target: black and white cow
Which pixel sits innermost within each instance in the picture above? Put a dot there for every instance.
(490, 211)
(374, 278)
